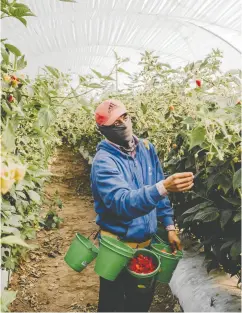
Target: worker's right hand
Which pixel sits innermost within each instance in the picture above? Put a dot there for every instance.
(179, 182)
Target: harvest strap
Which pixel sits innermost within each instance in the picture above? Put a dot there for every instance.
(134, 245)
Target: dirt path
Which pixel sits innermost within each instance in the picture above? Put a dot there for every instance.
(44, 282)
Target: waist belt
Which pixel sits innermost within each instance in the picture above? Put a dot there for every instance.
(134, 245)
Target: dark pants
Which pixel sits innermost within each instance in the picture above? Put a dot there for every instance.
(123, 295)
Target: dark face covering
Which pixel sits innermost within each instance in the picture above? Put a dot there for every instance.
(121, 135)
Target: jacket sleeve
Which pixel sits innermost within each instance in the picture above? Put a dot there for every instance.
(116, 194)
(164, 210)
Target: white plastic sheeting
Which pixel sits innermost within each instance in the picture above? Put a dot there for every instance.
(78, 36)
(199, 292)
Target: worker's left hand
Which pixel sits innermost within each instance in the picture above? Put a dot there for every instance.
(174, 240)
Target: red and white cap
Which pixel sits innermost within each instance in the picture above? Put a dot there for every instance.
(109, 111)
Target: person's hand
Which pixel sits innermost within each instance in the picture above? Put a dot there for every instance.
(174, 240)
(179, 182)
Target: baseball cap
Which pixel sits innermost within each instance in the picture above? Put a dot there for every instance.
(109, 111)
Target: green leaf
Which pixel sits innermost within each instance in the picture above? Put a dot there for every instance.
(21, 5)
(121, 70)
(197, 207)
(14, 240)
(188, 219)
(235, 250)
(7, 297)
(24, 8)
(93, 85)
(8, 137)
(34, 196)
(227, 245)
(232, 201)
(108, 78)
(144, 107)
(98, 74)
(165, 65)
(197, 136)
(10, 230)
(203, 64)
(237, 217)
(225, 217)
(207, 215)
(9, 263)
(5, 55)
(6, 108)
(116, 55)
(21, 63)
(46, 117)
(21, 11)
(13, 49)
(82, 79)
(40, 132)
(225, 182)
(15, 220)
(237, 179)
(53, 71)
(71, 1)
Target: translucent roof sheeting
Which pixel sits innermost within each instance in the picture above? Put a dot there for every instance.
(78, 36)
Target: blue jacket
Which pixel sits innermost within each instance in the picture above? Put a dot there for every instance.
(126, 198)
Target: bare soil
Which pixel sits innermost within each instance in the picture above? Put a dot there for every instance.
(44, 282)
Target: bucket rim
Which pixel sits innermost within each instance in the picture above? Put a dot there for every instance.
(86, 242)
(125, 246)
(120, 251)
(166, 255)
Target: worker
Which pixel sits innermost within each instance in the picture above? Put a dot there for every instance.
(130, 196)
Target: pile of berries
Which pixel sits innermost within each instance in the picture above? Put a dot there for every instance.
(142, 264)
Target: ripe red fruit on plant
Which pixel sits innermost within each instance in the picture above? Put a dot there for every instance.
(174, 146)
(171, 108)
(142, 264)
(198, 82)
(10, 98)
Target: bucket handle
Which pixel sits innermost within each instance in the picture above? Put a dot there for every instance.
(95, 237)
(158, 238)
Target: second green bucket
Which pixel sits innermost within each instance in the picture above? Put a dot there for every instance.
(113, 256)
(80, 253)
(168, 260)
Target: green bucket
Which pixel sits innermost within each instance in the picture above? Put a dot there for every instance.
(145, 281)
(168, 262)
(113, 256)
(80, 253)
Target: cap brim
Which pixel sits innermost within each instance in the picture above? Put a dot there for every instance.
(115, 115)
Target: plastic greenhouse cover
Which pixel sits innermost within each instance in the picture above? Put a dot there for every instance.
(79, 36)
